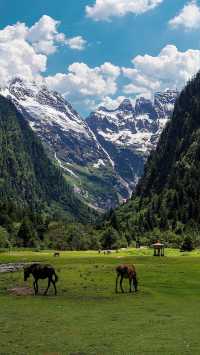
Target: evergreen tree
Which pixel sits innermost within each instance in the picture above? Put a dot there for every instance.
(27, 235)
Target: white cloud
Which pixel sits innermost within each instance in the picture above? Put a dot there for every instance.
(43, 35)
(24, 51)
(105, 9)
(188, 18)
(83, 81)
(170, 69)
(78, 43)
(17, 56)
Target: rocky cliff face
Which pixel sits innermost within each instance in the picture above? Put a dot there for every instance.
(102, 156)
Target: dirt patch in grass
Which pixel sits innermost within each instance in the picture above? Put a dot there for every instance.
(21, 291)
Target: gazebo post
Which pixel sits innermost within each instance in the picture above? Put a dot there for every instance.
(163, 251)
(159, 249)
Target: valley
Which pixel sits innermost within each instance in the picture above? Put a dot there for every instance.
(103, 156)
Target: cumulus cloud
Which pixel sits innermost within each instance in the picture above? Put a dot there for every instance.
(24, 50)
(170, 69)
(188, 18)
(43, 35)
(83, 81)
(17, 56)
(105, 9)
(78, 43)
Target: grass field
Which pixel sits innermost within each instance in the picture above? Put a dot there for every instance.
(87, 317)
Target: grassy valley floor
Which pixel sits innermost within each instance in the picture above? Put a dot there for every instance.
(87, 317)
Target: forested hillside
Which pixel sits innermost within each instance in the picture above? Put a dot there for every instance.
(168, 195)
(29, 181)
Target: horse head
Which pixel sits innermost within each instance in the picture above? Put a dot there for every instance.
(26, 273)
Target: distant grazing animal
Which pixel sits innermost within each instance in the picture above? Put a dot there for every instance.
(56, 254)
(40, 271)
(126, 272)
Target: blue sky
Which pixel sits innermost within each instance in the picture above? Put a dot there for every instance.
(116, 41)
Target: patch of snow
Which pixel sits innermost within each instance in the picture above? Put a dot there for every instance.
(65, 168)
(99, 163)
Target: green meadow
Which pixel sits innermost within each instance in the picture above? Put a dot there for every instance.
(87, 317)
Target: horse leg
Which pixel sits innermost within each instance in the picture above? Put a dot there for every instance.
(54, 285)
(49, 281)
(116, 288)
(135, 283)
(130, 283)
(121, 284)
(36, 287)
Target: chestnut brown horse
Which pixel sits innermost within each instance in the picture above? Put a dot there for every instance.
(40, 271)
(126, 272)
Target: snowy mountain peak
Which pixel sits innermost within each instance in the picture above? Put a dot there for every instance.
(164, 102)
(137, 128)
(144, 106)
(126, 105)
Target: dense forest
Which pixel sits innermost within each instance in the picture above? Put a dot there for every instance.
(166, 203)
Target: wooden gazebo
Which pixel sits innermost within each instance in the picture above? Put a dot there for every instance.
(159, 249)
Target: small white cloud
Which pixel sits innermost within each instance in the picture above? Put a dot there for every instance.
(78, 43)
(188, 18)
(105, 9)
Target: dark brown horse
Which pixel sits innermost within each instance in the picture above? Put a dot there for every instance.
(40, 271)
(56, 253)
(126, 272)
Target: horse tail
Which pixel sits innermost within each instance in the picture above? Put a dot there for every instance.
(56, 277)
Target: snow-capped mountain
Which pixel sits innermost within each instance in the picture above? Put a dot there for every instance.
(102, 156)
(130, 132)
(56, 122)
(135, 127)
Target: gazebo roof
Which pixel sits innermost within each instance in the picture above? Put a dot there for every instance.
(158, 244)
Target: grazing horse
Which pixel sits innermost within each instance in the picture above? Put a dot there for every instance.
(126, 272)
(41, 272)
(56, 253)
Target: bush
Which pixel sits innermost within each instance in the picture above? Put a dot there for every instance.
(187, 244)
(4, 238)
(110, 239)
